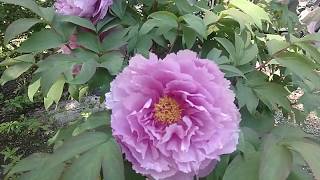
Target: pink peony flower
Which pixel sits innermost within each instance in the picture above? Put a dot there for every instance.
(173, 118)
(93, 9)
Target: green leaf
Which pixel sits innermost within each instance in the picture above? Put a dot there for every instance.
(64, 133)
(112, 164)
(28, 58)
(272, 94)
(310, 50)
(245, 146)
(189, 37)
(48, 13)
(30, 4)
(119, 8)
(250, 53)
(233, 71)
(56, 90)
(52, 68)
(275, 46)
(166, 18)
(94, 121)
(109, 22)
(144, 44)
(76, 145)
(114, 40)
(220, 168)
(288, 132)
(243, 168)
(112, 61)
(310, 153)
(89, 41)
(246, 97)
(47, 102)
(276, 160)
(301, 66)
(85, 167)
(228, 46)
(52, 173)
(88, 69)
(197, 24)
(19, 26)
(79, 21)
(33, 89)
(14, 72)
(311, 101)
(255, 12)
(32, 162)
(185, 7)
(39, 41)
(217, 57)
(298, 173)
(171, 36)
(261, 122)
(210, 18)
(243, 19)
(148, 26)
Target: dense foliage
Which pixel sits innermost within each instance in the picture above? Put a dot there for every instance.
(258, 46)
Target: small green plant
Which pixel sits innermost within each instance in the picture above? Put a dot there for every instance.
(17, 104)
(23, 125)
(12, 127)
(10, 157)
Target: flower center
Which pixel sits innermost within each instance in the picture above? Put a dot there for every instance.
(167, 110)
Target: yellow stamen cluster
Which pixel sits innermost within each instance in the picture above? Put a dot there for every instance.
(167, 110)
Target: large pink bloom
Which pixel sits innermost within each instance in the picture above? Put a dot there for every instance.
(92, 9)
(174, 117)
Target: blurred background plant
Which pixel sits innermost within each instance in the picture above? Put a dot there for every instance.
(20, 133)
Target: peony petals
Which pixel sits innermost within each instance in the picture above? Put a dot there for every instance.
(192, 90)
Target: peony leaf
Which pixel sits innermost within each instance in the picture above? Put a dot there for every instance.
(243, 168)
(112, 61)
(89, 41)
(247, 97)
(88, 69)
(30, 4)
(32, 162)
(112, 163)
(197, 24)
(276, 160)
(85, 167)
(33, 88)
(19, 26)
(243, 19)
(189, 36)
(94, 121)
(77, 145)
(301, 66)
(79, 21)
(40, 41)
(255, 12)
(45, 173)
(14, 72)
(119, 8)
(272, 94)
(310, 152)
(231, 71)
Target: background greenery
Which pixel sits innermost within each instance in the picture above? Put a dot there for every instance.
(20, 133)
